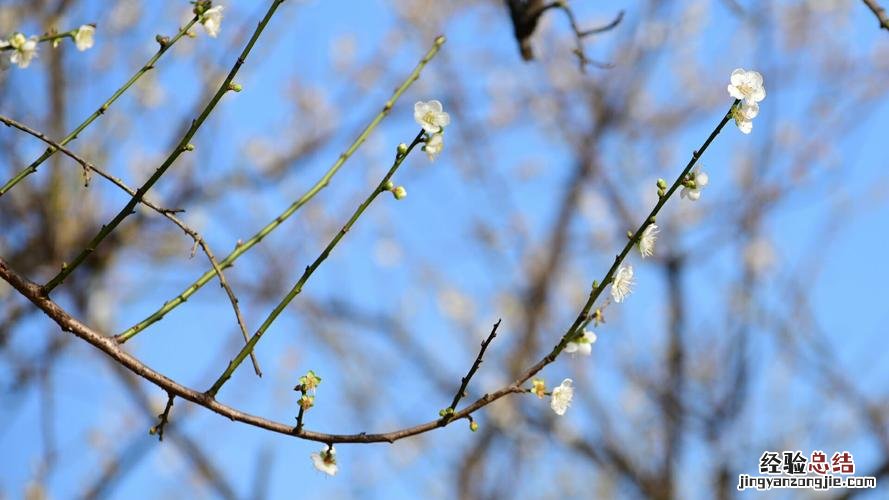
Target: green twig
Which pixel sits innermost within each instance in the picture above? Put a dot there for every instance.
(297, 288)
(182, 146)
(296, 205)
(49, 38)
(598, 287)
(165, 44)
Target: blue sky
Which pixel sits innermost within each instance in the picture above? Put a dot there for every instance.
(432, 226)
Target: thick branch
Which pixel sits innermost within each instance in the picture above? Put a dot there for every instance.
(36, 294)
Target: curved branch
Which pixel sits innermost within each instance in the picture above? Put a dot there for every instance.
(166, 212)
(37, 295)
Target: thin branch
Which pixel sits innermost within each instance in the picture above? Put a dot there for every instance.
(323, 182)
(49, 37)
(37, 295)
(181, 147)
(579, 35)
(164, 418)
(878, 11)
(464, 382)
(299, 418)
(584, 316)
(526, 14)
(166, 212)
(165, 44)
(298, 286)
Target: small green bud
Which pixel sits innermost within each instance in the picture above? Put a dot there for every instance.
(235, 87)
(442, 412)
(162, 40)
(402, 148)
(399, 192)
(473, 426)
(662, 184)
(306, 401)
(440, 40)
(201, 6)
(189, 147)
(661, 193)
(388, 186)
(308, 382)
(630, 234)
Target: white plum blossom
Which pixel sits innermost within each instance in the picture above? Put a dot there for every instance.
(212, 20)
(646, 241)
(622, 284)
(583, 345)
(23, 49)
(430, 116)
(744, 114)
(747, 86)
(83, 39)
(433, 146)
(325, 460)
(698, 179)
(562, 396)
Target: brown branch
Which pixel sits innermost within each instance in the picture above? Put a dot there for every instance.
(878, 11)
(579, 35)
(35, 294)
(464, 382)
(166, 212)
(525, 15)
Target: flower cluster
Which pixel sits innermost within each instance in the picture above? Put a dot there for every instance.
(24, 49)
(747, 87)
(307, 383)
(433, 119)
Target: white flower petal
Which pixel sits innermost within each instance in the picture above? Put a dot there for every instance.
(647, 240)
(83, 39)
(434, 146)
(622, 283)
(561, 397)
(701, 179)
(325, 460)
